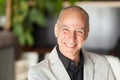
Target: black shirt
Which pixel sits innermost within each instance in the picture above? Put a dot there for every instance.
(75, 72)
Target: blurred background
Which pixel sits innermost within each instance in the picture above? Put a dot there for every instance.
(27, 31)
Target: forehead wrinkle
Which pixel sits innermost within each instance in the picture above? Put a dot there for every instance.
(77, 9)
(67, 26)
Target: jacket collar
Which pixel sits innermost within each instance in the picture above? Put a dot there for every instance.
(60, 71)
(57, 66)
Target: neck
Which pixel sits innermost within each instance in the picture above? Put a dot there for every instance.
(75, 59)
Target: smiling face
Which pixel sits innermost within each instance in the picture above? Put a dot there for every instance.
(71, 32)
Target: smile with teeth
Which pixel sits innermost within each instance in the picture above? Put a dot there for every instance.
(70, 45)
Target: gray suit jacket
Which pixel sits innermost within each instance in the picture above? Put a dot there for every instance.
(96, 67)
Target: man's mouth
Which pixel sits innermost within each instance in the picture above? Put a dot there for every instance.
(71, 45)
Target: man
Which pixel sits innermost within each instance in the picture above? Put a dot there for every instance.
(68, 61)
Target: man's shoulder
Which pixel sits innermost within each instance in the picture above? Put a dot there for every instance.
(99, 62)
(46, 63)
(95, 57)
(39, 67)
(43, 63)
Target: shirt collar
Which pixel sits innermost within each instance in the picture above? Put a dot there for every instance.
(67, 62)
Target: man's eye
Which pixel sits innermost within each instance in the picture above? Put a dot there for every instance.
(65, 29)
(80, 32)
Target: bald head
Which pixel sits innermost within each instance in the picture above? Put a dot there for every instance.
(74, 10)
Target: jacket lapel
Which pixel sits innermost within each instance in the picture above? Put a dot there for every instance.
(59, 70)
(88, 67)
(57, 66)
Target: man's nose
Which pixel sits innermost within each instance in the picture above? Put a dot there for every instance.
(72, 36)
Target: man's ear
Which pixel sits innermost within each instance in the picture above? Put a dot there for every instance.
(56, 30)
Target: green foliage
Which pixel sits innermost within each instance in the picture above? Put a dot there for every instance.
(54, 7)
(37, 16)
(21, 25)
(2, 7)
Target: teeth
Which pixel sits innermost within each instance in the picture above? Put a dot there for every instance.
(70, 45)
